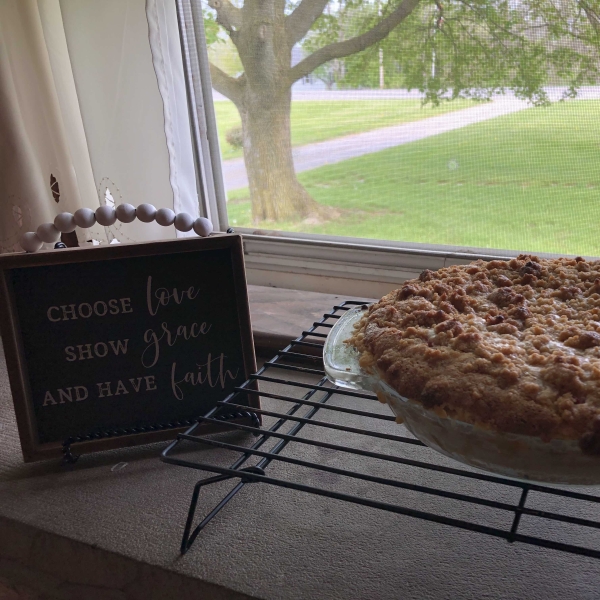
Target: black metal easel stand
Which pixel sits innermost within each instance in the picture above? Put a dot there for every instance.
(70, 458)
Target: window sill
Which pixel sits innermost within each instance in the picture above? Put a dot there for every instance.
(350, 266)
(279, 315)
(362, 268)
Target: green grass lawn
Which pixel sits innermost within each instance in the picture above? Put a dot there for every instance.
(526, 181)
(315, 121)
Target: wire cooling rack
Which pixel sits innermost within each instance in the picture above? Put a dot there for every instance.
(349, 439)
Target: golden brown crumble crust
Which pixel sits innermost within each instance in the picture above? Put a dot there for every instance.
(513, 346)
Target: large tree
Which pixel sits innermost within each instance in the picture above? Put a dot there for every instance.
(445, 48)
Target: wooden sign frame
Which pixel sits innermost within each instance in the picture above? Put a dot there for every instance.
(10, 330)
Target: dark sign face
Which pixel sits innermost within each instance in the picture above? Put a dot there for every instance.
(131, 342)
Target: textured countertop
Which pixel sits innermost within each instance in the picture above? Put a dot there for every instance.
(110, 527)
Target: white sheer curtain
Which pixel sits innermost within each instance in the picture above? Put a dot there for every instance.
(92, 110)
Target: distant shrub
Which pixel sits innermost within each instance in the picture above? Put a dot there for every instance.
(235, 137)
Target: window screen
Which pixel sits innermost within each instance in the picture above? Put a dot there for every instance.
(466, 123)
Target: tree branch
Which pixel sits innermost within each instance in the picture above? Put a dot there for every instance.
(301, 20)
(355, 44)
(224, 84)
(591, 15)
(228, 15)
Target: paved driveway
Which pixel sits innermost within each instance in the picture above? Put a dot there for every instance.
(336, 150)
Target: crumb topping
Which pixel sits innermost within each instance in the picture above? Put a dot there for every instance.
(513, 346)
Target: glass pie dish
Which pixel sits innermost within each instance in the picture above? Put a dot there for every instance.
(511, 455)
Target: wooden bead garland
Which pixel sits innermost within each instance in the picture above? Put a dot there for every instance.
(125, 213)
(203, 227)
(165, 217)
(48, 233)
(30, 242)
(65, 222)
(184, 222)
(146, 213)
(106, 215)
(85, 217)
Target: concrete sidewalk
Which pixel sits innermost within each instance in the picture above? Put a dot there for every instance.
(337, 150)
(301, 93)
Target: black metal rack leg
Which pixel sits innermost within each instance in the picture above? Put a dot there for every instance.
(188, 539)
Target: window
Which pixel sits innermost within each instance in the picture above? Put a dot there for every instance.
(367, 139)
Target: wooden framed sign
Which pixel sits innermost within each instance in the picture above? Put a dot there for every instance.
(107, 341)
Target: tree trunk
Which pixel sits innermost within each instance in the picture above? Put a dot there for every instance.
(264, 37)
(265, 105)
(276, 193)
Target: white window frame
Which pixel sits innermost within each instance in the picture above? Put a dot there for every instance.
(338, 265)
(207, 153)
(351, 266)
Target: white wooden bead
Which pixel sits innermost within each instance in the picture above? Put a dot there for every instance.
(106, 215)
(30, 242)
(184, 222)
(203, 227)
(125, 213)
(85, 217)
(165, 217)
(65, 222)
(145, 213)
(48, 233)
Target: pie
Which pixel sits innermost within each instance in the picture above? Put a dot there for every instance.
(509, 346)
